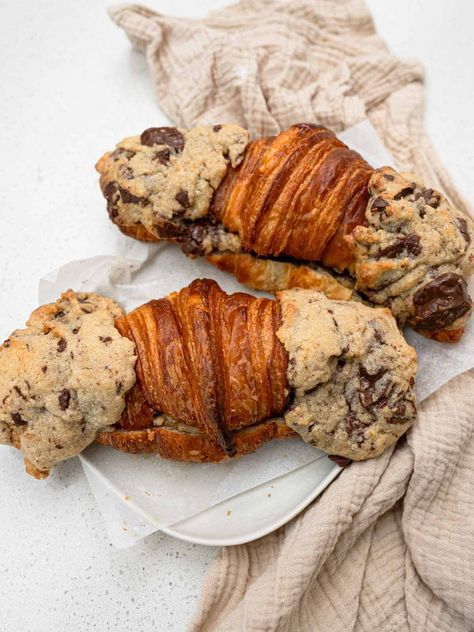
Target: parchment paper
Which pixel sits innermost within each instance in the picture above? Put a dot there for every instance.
(139, 494)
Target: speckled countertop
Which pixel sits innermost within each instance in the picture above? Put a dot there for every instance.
(71, 87)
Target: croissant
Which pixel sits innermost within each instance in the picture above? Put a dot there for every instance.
(205, 376)
(268, 210)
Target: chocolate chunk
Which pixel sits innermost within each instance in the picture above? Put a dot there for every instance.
(389, 177)
(163, 136)
(432, 198)
(17, 389)
(409, 243)
(192, 244)
(129, 198)
(169, 230)
(18, 419)
(353, 424)
(105, 339)
(441, 301)
(122, 153)
(64, 399)
(110, 194)
(216, 128)
(368, 395)
(463, 229)
(183, 198)
(163, 156)
(403, 193)
(342, 461)
(378, 204)
(44, 368)
(62, 344)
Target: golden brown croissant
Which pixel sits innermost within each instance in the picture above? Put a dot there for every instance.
(205, 376)
(302, 196)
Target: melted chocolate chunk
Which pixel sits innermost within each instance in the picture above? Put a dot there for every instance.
(403, 193)
(409, 243)
(18, 419)
(463, 229)
(163, 156)
(378, 205)
(169, 230)
(400, 413)
(64, 399)
(441, 301)
(163, 136)
(62, 344)
(192, 243)
(183, 198)
(368, 395)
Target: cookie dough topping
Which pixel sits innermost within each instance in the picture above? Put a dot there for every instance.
(164, 180)
(415, 253)
(352, 373)
(63, 378)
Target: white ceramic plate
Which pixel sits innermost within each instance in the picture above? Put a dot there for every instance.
(258, 511)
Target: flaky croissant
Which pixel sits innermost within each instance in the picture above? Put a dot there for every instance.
(261, 209)
(205, 376)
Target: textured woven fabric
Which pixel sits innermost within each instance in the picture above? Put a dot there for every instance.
(390, 544)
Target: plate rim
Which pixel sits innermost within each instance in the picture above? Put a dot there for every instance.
(174, 531)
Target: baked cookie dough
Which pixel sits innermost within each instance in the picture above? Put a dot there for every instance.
(352, 373)
(414, 253)
(164, 180)
(63, 379)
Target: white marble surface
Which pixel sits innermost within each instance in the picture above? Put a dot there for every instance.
(71, 86)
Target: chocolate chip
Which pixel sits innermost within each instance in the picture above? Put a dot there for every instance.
(59, 314)
(44, 368)
(389, 177)
(18, 419)
(118, 387)
(163, 136)
(6, 344)
(58, 446)
(62, 344)
(441, 301)
(341, 363)
(17, 389)
(64, 399)
(463, 229)
(76, 330)
(122, 153)
(378, 204)
(403, 193)
(409, 243)
(105, 339)
(342, 461)
(216, 128)
(129, 198)
(183, 198)
(163, 156)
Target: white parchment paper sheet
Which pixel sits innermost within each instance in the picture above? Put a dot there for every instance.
(139, 494)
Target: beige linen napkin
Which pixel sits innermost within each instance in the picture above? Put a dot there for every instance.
(390, 544)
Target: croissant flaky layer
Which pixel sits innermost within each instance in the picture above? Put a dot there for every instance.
(302, 196)
(215, 376)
